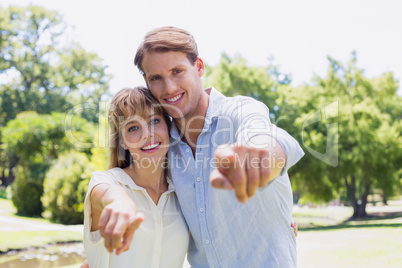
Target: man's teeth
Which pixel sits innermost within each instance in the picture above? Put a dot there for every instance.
(175, 98)
(151, 146)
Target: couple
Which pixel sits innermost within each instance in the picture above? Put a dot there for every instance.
(225, 176)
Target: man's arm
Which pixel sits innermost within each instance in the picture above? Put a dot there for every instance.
(262, 152)
(245, 168)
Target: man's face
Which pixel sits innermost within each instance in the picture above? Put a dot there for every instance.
(174, 81)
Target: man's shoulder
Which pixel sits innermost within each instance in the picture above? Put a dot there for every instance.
(242, 104)
(223, 104)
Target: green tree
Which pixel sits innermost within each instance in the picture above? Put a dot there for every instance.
(35, 141)
(349, 126)
(344, 123)
(233, 77)
(39, 74)
(44, 71)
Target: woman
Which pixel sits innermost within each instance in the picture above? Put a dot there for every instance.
(139, 141)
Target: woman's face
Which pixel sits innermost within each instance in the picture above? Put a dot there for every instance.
(147, 138)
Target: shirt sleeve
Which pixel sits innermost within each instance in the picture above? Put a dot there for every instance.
(253, 119)
(98, 177)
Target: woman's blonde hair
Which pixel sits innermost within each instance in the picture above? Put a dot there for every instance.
(128, 102)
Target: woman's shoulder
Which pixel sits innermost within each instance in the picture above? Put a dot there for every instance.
(110, 175)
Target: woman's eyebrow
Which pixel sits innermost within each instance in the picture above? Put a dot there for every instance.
(129, 121)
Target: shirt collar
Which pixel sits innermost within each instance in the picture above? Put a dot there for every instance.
(124, 179)
(216, 101)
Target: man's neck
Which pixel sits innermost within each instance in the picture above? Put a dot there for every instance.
(191, 126)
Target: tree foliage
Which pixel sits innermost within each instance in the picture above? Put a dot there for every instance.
(233, 77)
(43, 72)
(34, 141)
(360, 119)
(349, 125)
(47, 76)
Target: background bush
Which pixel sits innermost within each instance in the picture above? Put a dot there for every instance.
(26, 193)
(65, 187)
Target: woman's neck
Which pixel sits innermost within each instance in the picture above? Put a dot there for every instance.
(151, 178)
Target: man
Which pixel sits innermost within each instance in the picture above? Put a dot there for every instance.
(230, 144)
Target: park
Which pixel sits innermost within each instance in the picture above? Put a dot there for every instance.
(347, 189)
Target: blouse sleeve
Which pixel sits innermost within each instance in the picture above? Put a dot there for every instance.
(96, 252)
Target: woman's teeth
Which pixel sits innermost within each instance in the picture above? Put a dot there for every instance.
(151, 146)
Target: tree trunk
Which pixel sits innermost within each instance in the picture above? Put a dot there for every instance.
(359, 207)
(3, 178)
(384, 199)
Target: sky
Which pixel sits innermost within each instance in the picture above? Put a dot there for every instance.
(299, 35)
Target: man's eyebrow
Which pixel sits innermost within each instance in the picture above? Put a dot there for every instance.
(178, 66)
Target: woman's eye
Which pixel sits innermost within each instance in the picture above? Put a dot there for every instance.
(131, 129)
(155, 121)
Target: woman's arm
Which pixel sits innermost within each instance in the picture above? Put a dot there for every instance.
(115, 215)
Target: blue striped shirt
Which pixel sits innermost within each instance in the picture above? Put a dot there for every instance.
(224, 232)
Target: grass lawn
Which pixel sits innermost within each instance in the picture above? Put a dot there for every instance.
(26, 239)
(7, 209)
(326, 239)
(6, 206)
(363, 246)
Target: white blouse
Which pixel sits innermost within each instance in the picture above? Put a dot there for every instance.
(160, 241)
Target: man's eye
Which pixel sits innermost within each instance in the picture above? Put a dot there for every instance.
(155, 121)
(156, 77)
(131, 129)
(177, 71)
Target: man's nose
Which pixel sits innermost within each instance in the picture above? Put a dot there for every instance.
(170, 86)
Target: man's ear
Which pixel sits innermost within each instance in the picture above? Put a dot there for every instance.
(199, 64)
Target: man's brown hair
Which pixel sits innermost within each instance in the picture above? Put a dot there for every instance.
(167, 39)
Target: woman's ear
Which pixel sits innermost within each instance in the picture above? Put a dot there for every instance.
(123, 145)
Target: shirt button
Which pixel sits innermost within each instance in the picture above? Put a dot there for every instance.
(202, 209)
(188, 150)
(206, 241)
(198, 179)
